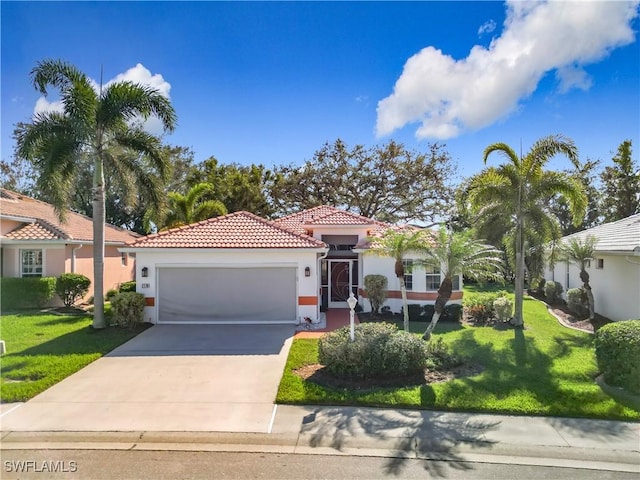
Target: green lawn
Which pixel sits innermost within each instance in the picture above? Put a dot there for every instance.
(546, 369)
(44, 348)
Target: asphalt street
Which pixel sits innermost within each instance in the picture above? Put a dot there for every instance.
(171, 465)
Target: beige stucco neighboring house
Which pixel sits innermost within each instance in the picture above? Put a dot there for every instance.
(614, 271)
(247, 269)
(35, 243)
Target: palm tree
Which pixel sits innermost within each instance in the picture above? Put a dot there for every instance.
(580, 252)
(398, 244)
(518, 193)
(192, 207)
(90, 123)
(456, 253)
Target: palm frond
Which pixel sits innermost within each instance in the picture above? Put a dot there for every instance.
(128, 100)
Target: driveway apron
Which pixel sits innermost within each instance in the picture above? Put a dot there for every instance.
(169, 378)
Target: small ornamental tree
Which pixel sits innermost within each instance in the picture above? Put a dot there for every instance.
(72, 287)
(376, 289)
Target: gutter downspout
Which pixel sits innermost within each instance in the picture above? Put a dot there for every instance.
(73, 257)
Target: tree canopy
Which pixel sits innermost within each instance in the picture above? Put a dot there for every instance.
(621, 185)
(387, 182)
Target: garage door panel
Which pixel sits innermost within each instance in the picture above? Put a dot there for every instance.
(200, 295)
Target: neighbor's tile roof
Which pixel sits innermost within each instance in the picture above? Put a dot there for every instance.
(620, 236)
(323, 215)
(46, 225)
(235, 230)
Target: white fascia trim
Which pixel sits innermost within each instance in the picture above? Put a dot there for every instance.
(210, 250)
(631, 252)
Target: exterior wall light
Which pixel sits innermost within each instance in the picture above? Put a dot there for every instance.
(307, 271)
(145, 272)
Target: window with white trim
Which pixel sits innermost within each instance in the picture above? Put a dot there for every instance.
(124, 259)
(408, 274)
(31, 263)
(600, 263)
(432, 277)
(455, 282)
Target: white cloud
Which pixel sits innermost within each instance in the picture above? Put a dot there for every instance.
(487, 27)
(449, 96)
(138, 74)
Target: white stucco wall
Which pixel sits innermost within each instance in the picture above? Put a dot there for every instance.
(300, 259)
(379, 265)
(615, 287)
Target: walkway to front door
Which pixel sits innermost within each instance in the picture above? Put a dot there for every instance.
(336, 318)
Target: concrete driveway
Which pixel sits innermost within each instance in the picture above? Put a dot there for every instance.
(169, 378)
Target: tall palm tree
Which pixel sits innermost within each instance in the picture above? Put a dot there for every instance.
(456, 253)
(519, 192)
(192, 207)
(579, 252)
(397, 244)
(90, 123)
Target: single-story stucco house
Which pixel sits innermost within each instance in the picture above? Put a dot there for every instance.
(614, 271)
(35, 243)
(243, 268)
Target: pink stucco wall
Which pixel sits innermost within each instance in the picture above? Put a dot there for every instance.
(114, 272)
(8, 225)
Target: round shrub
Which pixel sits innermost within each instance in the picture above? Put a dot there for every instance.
(376, 288)
(503, 307)
(110, 294)
(128, 309)
(578, 302)
(617, 352)
(553, 292)
(379, 350)
(71, 287)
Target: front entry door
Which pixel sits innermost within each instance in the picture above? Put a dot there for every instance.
(340, 282)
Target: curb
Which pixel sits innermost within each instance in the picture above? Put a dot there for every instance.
(301, 444)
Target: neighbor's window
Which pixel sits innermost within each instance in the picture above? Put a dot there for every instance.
(408, 274)
(433, 277)
(124, 258)
(31, 263)
(600, 263)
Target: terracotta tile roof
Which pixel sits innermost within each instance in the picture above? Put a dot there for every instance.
(235, 230)
(323, 215)
(381, 228)
(47, 226)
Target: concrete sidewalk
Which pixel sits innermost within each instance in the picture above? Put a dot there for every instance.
(445, 436)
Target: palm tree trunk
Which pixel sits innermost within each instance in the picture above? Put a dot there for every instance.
(518, 319)
(98, 244)
(405, 307)
(444, 294)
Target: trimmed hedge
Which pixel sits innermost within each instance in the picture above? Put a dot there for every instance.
(127, 309)
(452, 312)
(553, 292)
(379, 350)
(71, 287)
(578, 302)
(127, 287)
(617, 353)
(29, 292)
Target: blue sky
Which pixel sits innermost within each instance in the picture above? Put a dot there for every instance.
(272, 82)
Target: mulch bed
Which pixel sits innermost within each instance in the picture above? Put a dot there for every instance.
(566, 318)
(315, 373)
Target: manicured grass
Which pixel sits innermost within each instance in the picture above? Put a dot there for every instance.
(546, 369)
(44, 348)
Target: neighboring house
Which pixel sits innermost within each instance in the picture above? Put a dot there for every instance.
(244, 268)
(614, 271)
(34, 243)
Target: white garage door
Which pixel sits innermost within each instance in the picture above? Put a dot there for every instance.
(209, 295)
